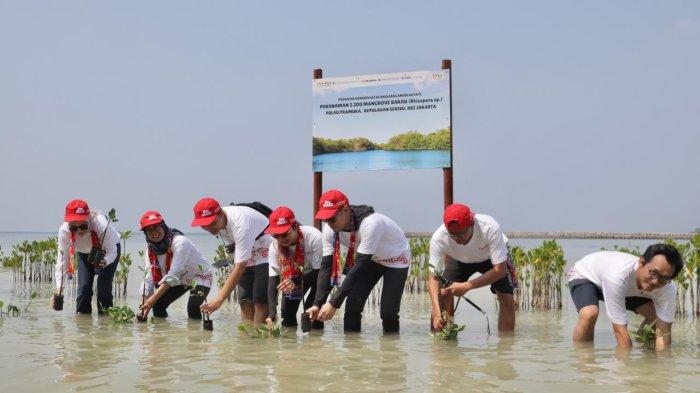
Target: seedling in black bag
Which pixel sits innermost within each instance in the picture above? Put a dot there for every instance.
(97, 254)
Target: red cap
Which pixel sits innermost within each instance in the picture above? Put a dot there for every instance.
(281, 220)
(77, 210)
(457, 217)
(329, 204)
(150, 217)
(205, 212)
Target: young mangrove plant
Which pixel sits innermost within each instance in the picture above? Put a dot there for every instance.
(263, 331)
(540, 272)
(121, 277)
(449, 330)
(646, 335)
(120, 315)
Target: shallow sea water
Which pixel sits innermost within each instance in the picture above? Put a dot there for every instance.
(61, 351)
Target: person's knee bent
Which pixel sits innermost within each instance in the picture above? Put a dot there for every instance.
(588, 315)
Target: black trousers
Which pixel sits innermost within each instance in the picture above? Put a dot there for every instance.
(290, 306)
(197, 296)
(86, 277)
(390, 302)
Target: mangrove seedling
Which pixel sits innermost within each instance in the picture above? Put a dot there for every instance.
(263, 331)
(120, 315)
(449, 330)
(33, 296)
(646, 335)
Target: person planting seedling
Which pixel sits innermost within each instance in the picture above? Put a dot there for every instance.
(242, 228)
(626, 282)
(377, 248)
(174, 266)
(96, 242)
(467, 243)
(294, 261)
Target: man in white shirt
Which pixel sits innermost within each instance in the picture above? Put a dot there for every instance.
(377, 248)
(467, 243)
(626, 282)
(242, 229)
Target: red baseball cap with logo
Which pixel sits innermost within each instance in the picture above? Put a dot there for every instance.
(149, 218)
(329, 204)
(457, 217)
(205, 212)
(281, 220)
(77, 210)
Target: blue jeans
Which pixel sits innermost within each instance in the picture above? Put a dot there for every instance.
(86, 276)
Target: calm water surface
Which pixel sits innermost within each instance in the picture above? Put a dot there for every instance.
(381, 159)
(61, 351)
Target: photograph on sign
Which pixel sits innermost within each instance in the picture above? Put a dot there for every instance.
(385, 121)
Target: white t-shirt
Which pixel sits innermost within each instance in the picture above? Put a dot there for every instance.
(488, 242)
(313, 250)
(187, 267)
(96, 222)
(243, 225)
(378, 236)
(614, 273)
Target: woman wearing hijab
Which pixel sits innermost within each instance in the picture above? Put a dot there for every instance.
(174, 266)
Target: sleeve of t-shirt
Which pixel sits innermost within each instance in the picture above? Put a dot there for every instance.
(437, 254)
(182, 249)
(665, 303)
(61, 255)
(497, 246)
(371, 231)
(316, 250)
(245, 239)
(614, 292)
(273, 263)
(327, 236)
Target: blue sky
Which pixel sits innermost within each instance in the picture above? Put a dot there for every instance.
(567, 115)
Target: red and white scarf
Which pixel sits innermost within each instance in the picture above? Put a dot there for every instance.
(292, 268)
(70, 269)
(156, 273)
(349, 258)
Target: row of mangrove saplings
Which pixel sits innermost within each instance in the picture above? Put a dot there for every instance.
(540, 271)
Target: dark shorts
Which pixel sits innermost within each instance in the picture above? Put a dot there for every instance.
(585, 293)
(252, 287)
(457, 271)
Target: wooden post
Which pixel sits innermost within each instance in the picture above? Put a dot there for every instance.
(318, 176)
(447, 172)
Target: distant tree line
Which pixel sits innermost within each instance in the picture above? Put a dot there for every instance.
(412, 140)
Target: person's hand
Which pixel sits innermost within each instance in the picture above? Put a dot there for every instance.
(456, 289)
(312, 312)
(437, 320)
(286, 286)
(146, 307)
(269, 323)
(211, 306)
(327, 312)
